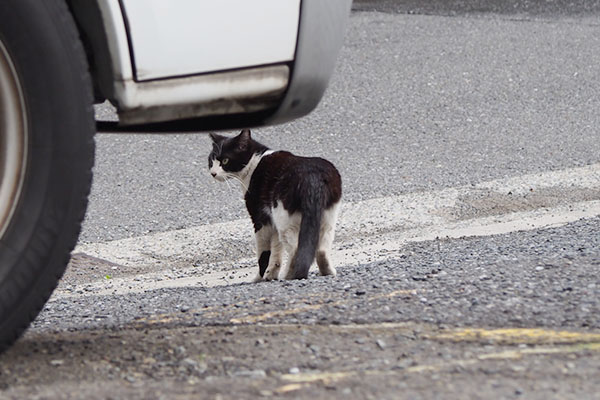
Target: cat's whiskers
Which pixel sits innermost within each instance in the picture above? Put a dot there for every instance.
(228, 184)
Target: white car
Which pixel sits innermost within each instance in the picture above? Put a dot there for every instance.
(166, 65)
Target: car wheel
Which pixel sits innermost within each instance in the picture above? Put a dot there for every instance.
(46, 154)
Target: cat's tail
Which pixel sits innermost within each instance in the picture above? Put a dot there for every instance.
(308, 237)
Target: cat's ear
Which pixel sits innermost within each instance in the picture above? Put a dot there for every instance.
(216, 138)
(244, 138)
(245, 135)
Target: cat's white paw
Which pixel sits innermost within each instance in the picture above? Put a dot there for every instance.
(272, 273)
(257, 278)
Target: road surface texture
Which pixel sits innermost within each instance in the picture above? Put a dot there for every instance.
(468, 251)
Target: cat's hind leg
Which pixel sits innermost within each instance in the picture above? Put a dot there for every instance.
(287, 227)
(326, 235)
(274, 264)
(287, 270)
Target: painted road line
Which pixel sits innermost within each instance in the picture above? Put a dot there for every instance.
(371, 230)
(516, 336)
(376, 248)
(384, 246)
(232, 240)
(302, 380)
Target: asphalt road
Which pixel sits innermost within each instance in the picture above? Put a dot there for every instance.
(526, 9)
(511, 316)
(466, 134)
(417, 103)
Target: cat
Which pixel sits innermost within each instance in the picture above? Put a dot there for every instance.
(293, 203)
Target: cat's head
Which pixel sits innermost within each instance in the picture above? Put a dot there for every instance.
(230, 155)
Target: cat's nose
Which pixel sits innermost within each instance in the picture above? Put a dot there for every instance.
(213, 174)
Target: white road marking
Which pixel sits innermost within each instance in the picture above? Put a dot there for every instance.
(370, 230)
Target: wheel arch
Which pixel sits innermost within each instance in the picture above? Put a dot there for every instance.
(92, 32)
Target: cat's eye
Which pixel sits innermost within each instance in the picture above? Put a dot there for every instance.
(225, 161)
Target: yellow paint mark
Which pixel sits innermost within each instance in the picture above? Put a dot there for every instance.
(516, 354)
(394, 294)
(257, 318)
(324, 377)
(281, 313)
(331, 377)
(378, 327)
(158, 319)
(587, 346)
(214, 311)
(440, 366)
(207, 312)
(292, 387)
(516, 336)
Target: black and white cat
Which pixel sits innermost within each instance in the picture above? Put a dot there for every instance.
(293, 203)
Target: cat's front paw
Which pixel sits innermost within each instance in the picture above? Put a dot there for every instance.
(257, 278)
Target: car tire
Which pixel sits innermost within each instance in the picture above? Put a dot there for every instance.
(46, 154)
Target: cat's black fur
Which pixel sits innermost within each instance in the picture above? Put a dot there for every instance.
(306, 185)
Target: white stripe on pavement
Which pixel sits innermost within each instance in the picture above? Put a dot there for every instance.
(370, 230)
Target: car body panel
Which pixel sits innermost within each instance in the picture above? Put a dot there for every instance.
(195, 72)
(184, 37)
